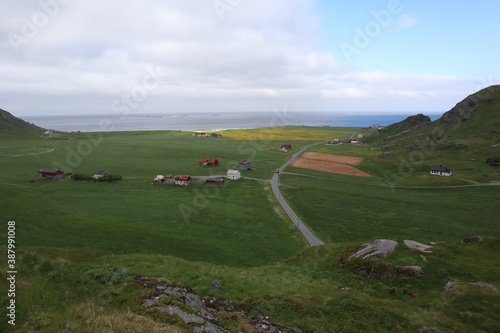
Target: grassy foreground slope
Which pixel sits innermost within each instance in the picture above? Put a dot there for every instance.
(55, 293)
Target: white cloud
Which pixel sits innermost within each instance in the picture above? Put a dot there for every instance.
(262, 54)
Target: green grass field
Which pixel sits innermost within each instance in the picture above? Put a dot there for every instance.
(231, 232)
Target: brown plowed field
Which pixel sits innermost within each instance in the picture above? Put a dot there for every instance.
(330, 163)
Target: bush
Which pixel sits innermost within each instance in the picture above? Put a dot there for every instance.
(109, 178)
(105, 274)
(80, 176)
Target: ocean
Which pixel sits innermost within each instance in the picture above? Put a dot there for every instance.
(210, 121)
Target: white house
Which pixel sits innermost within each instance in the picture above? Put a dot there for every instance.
(99, 174)
(233, 174)
(440, 171)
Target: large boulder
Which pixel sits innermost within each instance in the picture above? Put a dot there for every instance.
(379, 248)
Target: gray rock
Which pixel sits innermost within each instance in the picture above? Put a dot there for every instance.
(449, 286)
(484, 284)
(186, 317)
(417, 246)
(471, 240)
(262, 324)
(379, 248)
(216, 285)
(433, 330)
(220, 304)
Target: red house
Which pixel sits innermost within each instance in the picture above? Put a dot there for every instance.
(208, 161)
(51, 173)
(286, 146)
(182, 180)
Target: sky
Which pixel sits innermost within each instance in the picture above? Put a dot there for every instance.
(71, 57)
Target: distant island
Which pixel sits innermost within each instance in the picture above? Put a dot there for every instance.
(165, 116)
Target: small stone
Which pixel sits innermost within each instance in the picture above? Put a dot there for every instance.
(216, 285)
(449, 286)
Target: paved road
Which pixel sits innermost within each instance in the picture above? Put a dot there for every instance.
(309, 236)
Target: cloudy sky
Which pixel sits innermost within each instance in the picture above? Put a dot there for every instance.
(151, 56)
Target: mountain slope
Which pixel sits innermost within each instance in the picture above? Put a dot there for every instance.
(462, 139)
(10, 122)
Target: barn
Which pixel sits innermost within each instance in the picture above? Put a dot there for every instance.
(286, 146)
(245, 165)
(208, 161)
(52, 174)
(440, 171)
(182, 180)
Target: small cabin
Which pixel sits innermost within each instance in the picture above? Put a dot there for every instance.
(208, 161)
(52, 174)
(99, 174)
(440, 171)
(245, 165)
(233, 174)
(182, 180)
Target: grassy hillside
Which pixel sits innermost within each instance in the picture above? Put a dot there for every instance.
(10, 123)
(56, 293)
(462, 139)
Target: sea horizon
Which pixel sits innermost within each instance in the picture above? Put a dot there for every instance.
(212, 120)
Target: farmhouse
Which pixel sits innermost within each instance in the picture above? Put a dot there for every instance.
(215, 181)
(182, 180)
(440, 171)
(245, 165)
(99, 174)
(208, 161)
(233, 174)
(52, 174)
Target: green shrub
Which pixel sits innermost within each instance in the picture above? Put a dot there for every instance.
(80, 176)
(105, 274)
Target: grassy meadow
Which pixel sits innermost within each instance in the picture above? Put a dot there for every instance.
(233, 232)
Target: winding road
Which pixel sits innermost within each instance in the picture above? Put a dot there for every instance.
(308, 235)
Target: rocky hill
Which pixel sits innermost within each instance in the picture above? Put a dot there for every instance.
(10, 122)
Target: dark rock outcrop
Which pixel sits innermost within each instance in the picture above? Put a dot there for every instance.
(373, 269)
(220, 304)
(493, 161)
(471, 240)
(409, 271)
